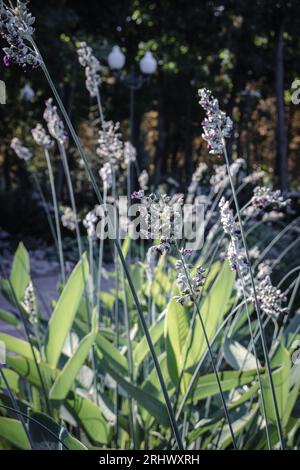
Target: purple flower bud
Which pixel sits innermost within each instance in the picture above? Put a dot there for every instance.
(6, 61)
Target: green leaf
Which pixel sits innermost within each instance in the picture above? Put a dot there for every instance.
(207, 384)
(152, 385)
(214, 305)
(281, 379)
(205, 425)
(142, 349)
(13, 431)
(237, 356)
(177, 333)
(12, 379)
(8, 317)
(64, 313)
(19, 346)
(45, 440)
(20, 276)
(26, 368)
(109, 352)
(108, 300)
(66, 377)
(90, 418)
(154, 406)
(238, 425)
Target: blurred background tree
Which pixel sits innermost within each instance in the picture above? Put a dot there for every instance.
(246, 52)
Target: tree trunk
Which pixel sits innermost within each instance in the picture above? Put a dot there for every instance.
(282, 146)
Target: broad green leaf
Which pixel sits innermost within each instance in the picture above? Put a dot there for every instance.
(154, 406)
(109, 352)
(152, 384)
(64, 313)
(67, 376)
(205, 425)
(26, 368)
(207, 384)
(238, 425)
(90, 418)
(13, 431)
(281, 379)
(185, 341)
(12, 379)
(8, 317)
(291, 330)
(45, 440)
(19, 346)
(19, 276)
(108, 300)
(238, 356)
(214, 305)
(179, 335)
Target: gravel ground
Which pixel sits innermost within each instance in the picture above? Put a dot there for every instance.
(44, 275)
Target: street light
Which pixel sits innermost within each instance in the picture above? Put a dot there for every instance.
(148, 65)
(133, 81)
(116, 58)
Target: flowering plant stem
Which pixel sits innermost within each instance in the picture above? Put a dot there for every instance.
(208, 346)
(253, 347)
(257, 307)
(63, 155)
(173, 422)
(46, 209)
(56, 215)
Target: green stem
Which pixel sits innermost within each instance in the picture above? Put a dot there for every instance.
(56, 215)
(47, 212)
(63, 155)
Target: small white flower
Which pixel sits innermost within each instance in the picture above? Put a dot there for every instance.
(264, 197)
(41, 137)
(16, 25)
(55, 125)
(106, 175)
(235, 258)
(92, 68)
(129, 153)
(217, 126)
(68, 218)
(270, 298)
(30, 303)
(110, 146)
(21, 151)
(89, 223)
(144, 180)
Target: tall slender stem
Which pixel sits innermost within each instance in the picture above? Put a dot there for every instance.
(256, 362)
(46, 209)
(71, 193)
(56, 216)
